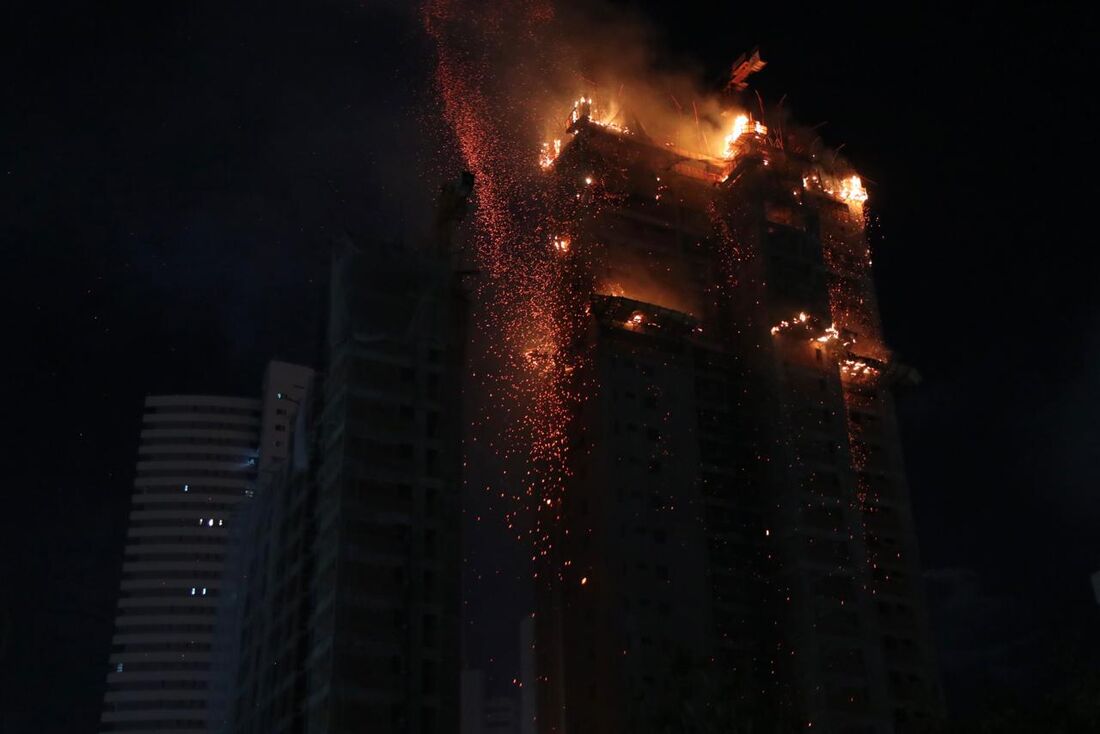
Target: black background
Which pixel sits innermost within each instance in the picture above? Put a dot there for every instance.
(171, 172)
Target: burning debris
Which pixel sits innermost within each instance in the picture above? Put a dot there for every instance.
(802, 323)
(742, 124)
(848, 189)
(851, 189)
(860, 369)
(641, 317)
(549, 153)
(813, 330)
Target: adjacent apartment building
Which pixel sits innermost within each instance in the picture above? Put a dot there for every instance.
(350, 600)
(200, 457)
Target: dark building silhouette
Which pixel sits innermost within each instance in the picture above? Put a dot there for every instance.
(350, 594)
(741, 553)
(264, 624)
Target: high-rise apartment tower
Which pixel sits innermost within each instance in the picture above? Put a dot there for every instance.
(737, 539)
(199, 459)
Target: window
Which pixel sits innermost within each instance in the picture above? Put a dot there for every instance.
(429, 630)
(428, 677)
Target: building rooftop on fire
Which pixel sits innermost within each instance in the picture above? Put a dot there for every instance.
(737, 517)
(618, 162)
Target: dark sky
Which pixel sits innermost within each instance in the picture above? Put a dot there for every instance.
(171, 172)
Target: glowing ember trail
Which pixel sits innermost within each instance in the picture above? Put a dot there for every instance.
(851, 302)
(526, 309)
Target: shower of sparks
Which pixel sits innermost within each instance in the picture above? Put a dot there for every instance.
(851, 302)
(528, 307)
(533, 300)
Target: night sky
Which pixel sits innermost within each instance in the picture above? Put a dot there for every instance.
(170, 175)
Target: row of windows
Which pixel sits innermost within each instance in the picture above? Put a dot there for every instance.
(137, 541)
(246, 471)
(158, 685)
(185, 488)
(249, 427)
(211, 409)
(164, 666)
(222, 458)
(198, 504)
(140, 554)
(172, 522)
(180, 574)
(176, 725)
(139, 629)
(161, 647)
(168, 609)
(243, 442)
(172, 705)
(161, 592)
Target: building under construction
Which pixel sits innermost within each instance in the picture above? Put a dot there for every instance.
(736, 549)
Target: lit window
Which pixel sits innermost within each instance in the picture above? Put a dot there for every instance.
(220, 523)
(278, 396)
(192, 591)
(118, 668)
(210, 522)
(204, 591)
(186, 487)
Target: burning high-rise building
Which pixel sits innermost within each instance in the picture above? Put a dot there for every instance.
(692, 388)
(734, 541)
